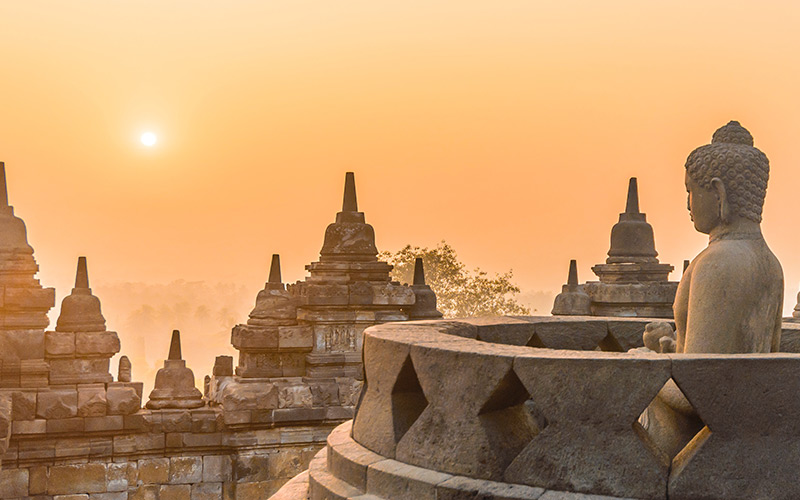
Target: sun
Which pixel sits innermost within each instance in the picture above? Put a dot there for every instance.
(149, 139)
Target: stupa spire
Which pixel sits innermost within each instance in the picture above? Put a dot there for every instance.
(349, 203)
(4, 186)
(275, 270)
(82, 274)
(572, 278)
(419, 272)
(632, 206)
(175, 346)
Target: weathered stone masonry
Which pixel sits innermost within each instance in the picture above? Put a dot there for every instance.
(68, 431)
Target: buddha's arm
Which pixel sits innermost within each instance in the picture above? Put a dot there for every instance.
(717, 302)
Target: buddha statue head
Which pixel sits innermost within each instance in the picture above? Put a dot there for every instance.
(726, 180)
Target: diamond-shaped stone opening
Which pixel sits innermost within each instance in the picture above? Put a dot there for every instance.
(509, 417)
(610, 344)
(535, 341)
(408, 400)
(669, 423)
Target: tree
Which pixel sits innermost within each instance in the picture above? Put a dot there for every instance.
(459, 292)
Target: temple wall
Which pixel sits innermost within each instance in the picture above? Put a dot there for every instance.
(163, 454)
(68, 431)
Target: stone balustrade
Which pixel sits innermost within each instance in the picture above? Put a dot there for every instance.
(545, 403)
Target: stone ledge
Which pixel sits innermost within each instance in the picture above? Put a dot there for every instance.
(295, 489)
(392, 480)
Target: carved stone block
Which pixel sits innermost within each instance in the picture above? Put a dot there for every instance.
(97, 343)
(92, 400)
(123, 400)
(59, 343)
(54, 404)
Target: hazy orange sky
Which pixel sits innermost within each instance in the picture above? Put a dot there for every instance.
(508, 129)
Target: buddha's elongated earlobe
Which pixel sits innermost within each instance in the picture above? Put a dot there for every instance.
(724, 207)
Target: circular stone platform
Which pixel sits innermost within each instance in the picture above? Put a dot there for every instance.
(548, 408)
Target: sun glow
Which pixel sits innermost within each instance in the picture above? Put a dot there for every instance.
(149, 139)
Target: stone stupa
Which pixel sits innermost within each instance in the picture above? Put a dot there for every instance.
(174, 387)
(80, 348)
(572, 301)
(425, 305)
(271, 344)
(23, 311)
(346, 291)
(632, 280)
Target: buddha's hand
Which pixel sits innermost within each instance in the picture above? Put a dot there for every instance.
(659, 337)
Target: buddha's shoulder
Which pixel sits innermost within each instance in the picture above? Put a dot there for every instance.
(735, 258)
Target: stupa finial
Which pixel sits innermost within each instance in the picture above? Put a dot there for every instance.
(419, 272)
(82, 274)
(632, 206)
(275, 269)
(349, 204)
(175, 346)
(572, 279)
(4, 187)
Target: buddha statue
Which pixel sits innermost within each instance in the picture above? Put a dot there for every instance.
(730, 297)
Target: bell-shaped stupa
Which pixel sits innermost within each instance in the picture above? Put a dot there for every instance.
(272, 344)
(572, 301)
(632, 238)
(80, 310)
(350, 238)
(425, 305)
(174, 387)
(25, 303)
(632, 280)
(348, 290)
(81, 348)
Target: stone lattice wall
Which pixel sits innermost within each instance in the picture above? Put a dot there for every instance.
(482, 400)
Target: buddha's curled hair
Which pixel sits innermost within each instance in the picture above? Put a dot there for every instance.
(742, 168)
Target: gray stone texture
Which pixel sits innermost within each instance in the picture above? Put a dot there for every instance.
(490, 427)
(392, 398)
(751, 445)
(593, 423)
